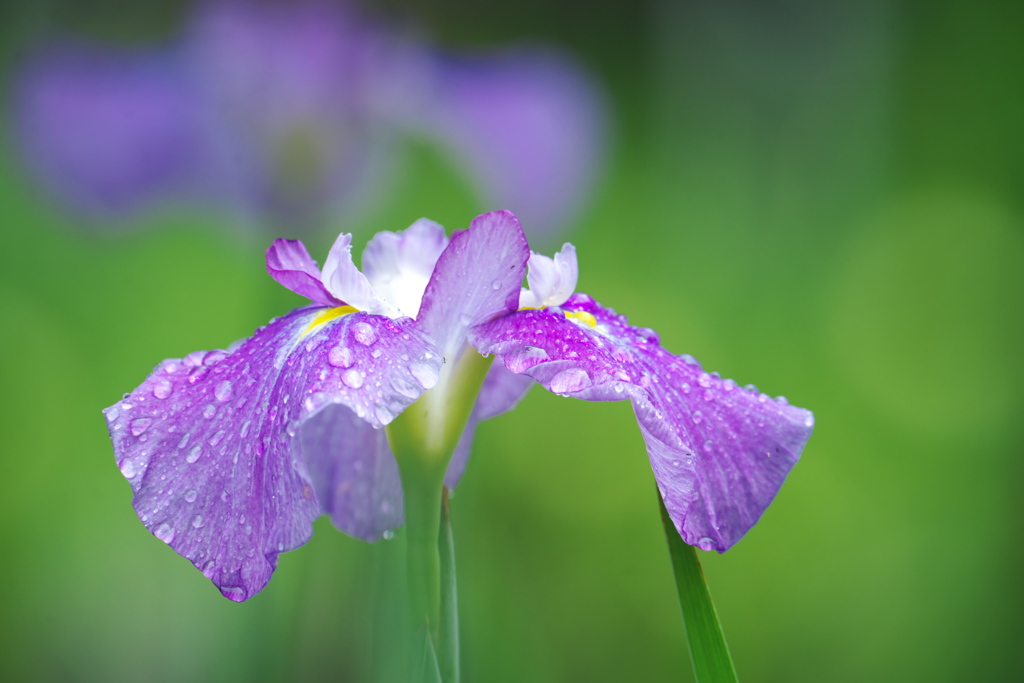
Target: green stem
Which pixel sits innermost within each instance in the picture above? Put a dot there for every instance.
(708, 651)
(423, 520)
(448, 646)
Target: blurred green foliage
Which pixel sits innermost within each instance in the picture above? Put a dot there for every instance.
(823, 199)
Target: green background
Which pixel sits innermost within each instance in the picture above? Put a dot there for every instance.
(824, 199)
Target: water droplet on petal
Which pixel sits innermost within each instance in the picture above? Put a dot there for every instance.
(165, 533)
(809, 420)
(376, 353)
(197, 522)
(140, 424)
(404, 388)
(425, 374)
(245, 428)
(782, 399)
(340, 357)
(191, 495)
(183, 442)
(704, 380)
(568, 381)
(364, 333)
(209, 411)
(162, 388)
(706, 543)
(216, 438)
(223, 391)
(128, 469)
(383, 414)
(194, 454)
(352, 378)
(496, 285)
(708, 445)
(697, 417)
(751, 387)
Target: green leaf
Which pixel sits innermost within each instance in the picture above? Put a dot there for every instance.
(448, 633)
(708, 651)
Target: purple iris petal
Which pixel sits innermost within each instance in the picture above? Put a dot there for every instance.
(214, 449)
(500, 393)
(719, 452)
(111, 131)
(291, 266)
(476, 279)
(527, 127)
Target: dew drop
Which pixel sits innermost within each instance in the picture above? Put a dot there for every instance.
(140, 425)
(162, 388)
(729, 385)
(751, 388)
(376, 353)
(216, 438)
(706, 543)
(197, 522)
(183, 442)
(686, 388)
(340, 357)
(128, 469)
(209, 411)
(364, 333)
(708, 445)
(191, 495)
(709, 395)
(704, 380)
(223, 391)
(425, 374)
(245, 429)
(568, 381)
(496, 285)
(697, 417)
(352, 378)
(782, 399)
(165, 533)
(194, 454)
(809, 420)
(404, 388)
(383, 414)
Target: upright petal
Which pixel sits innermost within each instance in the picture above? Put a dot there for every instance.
(110, 131)
(477, 279)
(290, 264)
(719, 453)
(399, 265)
(213, 444)
(529, 129)
(344, 281)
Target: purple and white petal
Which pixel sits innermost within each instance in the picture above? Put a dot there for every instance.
(110, 131)
(476, 279)
(291, 266)
(552, 280)
(719, 452)
(344, 281)
(501, 391)
(399, 265)
(213, 447)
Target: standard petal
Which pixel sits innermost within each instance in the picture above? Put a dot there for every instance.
(344, 281)
(528, 128)
(476, 279)
(719, 452)
(501, 391)
(399, 265)
(213, 448)
(290, 264)
(110, 131)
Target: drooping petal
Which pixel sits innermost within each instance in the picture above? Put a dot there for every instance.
(110, 131)
(290, 264)
(476, 279)
(399, 265)
(501, 391)
(213, 448)
(344, 281)
(528, 127)
(719, 452)
(354, 473)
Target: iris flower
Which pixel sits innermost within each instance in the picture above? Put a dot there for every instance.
(232, 454)
(293, 111)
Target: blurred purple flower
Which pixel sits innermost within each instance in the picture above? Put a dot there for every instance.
(292, 110)
(232, 454)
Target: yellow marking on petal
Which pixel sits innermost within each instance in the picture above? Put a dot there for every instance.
(581, 317)
(329, 314)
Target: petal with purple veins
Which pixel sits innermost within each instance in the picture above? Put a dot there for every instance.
(719, 452)
(344, 281)
(291, 266)
(477, 278)
(213, 444)
(399, 265)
